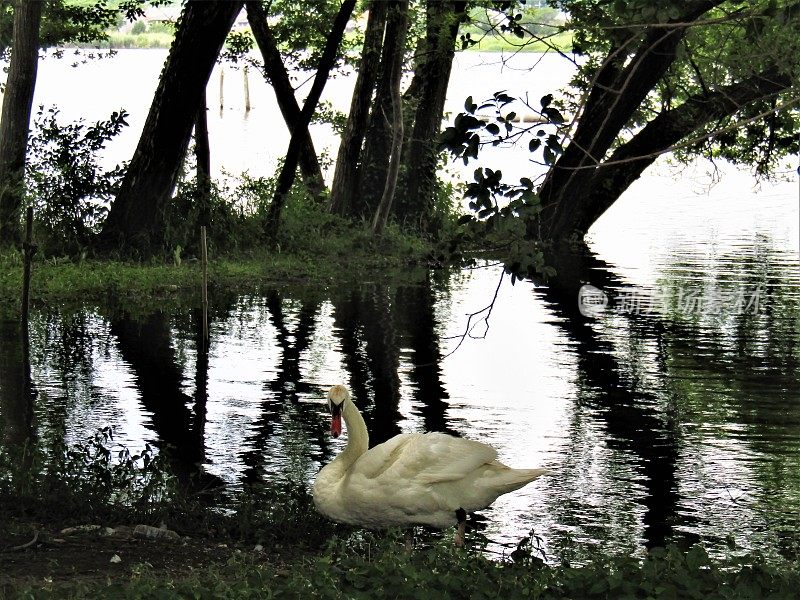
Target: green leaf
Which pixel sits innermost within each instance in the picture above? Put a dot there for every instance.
(468, 105)
(554, 115)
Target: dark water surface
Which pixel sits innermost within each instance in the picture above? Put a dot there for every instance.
(672, 415)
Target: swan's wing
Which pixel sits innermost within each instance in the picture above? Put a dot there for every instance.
(424, 458)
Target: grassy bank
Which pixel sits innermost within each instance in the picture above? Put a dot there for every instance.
(348, 258)
(375, 567)
(268, 541)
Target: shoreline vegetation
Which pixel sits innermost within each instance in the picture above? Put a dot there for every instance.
(96, 521)
(64, 279)
(158, 41)
(161, 40)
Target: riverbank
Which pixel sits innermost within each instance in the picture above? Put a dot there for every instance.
(96, 279)
(368, 566)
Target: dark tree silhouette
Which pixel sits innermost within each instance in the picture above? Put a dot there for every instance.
(137, 214)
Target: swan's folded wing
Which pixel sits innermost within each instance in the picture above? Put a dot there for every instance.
(425, 458)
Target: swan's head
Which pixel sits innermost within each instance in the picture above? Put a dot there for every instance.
(337, 396)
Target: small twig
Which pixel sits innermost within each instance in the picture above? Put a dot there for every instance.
(25, 545)
(470, 326)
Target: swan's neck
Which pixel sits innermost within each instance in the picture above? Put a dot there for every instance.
(357, 436)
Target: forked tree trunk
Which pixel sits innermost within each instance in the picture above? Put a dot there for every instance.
(345, 178)
(416, 206)
(16, 117)
(135, 221)
(385, 205)
(275, 71)
(287, 174)
(588, 177)
(374, 165)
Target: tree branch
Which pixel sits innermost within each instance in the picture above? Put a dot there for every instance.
(275, 71)
(626, 164)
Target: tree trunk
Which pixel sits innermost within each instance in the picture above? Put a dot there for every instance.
(345, 178)
(609, 107)
(374, 167)
(419, 183)
(136, 217)
(287, 174)
(626, 164)
(202, 153)
(382, 213)
(275, 71)
(16, 117)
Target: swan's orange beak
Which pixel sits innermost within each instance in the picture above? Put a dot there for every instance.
(336, 419)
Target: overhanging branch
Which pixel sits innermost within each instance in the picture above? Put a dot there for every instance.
(627, 163)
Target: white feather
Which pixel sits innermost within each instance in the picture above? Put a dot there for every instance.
(410, 479)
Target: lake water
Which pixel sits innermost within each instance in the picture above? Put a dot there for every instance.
(671, 415)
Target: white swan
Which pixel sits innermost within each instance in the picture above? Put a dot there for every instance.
(428, 479)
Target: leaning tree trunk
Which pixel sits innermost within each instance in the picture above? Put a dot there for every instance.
(287, 174)
(580, 172)
(345, 178)
(136, 217)
(385, 205)
(275, 71)
(419, 182)
(374, 166)
(16, 117)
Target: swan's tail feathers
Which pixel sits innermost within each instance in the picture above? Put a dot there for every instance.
(516, 478)
(528, 475)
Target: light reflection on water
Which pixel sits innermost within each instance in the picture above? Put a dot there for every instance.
(657, 427)
(664, 426)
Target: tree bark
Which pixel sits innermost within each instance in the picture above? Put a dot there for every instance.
(16, 117)
(275, 71)
(374, 166)
(135, 219)
(628, 162)
(419, 183)
(345, 178)
(609, 107)
(287, 174)
(385, 205)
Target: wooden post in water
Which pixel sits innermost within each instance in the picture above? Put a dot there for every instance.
(28, 249)
(246, 90)
(204, 263)
(221, 89)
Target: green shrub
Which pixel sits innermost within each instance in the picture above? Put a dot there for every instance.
(139, 28)
(69, 190)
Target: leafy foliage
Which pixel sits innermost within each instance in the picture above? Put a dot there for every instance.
(302, 33)
(364, 565)
(502, 210)
(515, 25)
(88, 479)
(471, 130)
(729, 43)
(68, 188)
